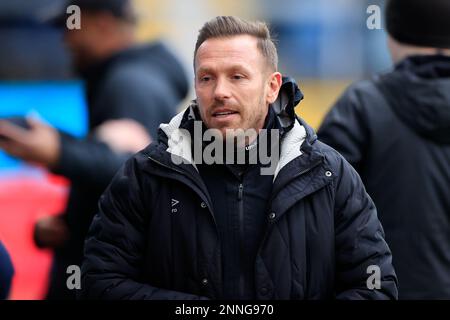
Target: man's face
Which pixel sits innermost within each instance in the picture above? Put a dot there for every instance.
(83, 43)
(233, 83)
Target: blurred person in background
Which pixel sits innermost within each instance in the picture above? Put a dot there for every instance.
(131, 89)
(6, 272)
(395, 130)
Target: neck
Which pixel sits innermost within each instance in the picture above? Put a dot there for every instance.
(401, 51)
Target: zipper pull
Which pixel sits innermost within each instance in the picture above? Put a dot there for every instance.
(240, 191)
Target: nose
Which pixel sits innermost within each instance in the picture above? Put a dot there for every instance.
(222, 89)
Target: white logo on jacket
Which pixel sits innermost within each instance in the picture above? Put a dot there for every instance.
(174, 203)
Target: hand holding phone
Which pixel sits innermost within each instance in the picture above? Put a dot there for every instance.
(18, 121)
(30, 140)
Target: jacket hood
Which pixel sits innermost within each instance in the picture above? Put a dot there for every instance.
(418, 90)
(158, 56)
(288, 97)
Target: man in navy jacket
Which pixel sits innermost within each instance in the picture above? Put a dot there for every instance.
(175, 225)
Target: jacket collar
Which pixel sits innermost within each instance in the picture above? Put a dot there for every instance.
(175, 134)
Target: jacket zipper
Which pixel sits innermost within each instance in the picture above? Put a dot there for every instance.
(241, 238)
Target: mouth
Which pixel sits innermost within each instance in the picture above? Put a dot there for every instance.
(223, 113)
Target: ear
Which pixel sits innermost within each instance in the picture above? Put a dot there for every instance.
(274, 85)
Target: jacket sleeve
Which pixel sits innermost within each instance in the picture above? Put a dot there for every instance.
(345, 129)
(360, 245)
(115, 245)
(146, 100)
(88, 160)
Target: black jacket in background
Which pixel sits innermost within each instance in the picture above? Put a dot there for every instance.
(395, 130)
(6, 272)
(156, 235)
(144, 83)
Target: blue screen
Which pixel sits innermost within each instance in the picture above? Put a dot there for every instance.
(60, 104)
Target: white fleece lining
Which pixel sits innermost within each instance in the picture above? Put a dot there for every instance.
(182, 149)
(290, 145)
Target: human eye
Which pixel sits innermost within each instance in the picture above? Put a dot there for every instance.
(205, 78)
(237, 76)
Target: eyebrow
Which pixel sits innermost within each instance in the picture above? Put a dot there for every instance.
(235, 67)
(205, 70)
